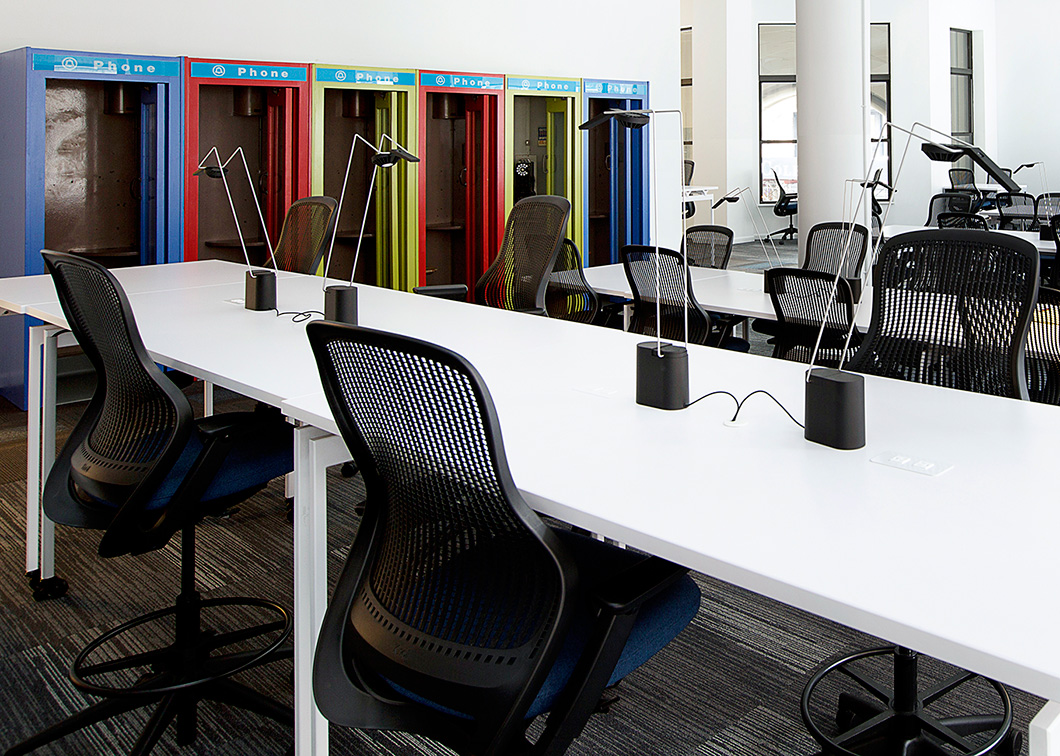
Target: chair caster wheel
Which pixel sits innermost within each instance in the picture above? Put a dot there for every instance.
(349, 469)
(1012, 745)
(49, 588)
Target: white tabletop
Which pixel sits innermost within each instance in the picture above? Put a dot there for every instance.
(828, 531)
(738, 292)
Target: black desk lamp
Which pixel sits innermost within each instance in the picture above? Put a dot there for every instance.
(260, 292)
(662, 369)
(835, 399)
(340, 300)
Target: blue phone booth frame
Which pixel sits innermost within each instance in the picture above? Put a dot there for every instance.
(629, 188)
(24, 74)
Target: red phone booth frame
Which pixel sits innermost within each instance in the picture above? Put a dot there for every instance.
(291, 162)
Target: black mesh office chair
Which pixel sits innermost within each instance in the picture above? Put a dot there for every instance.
(533, 236)
(568, 295)
(786, 206)
(1016, 211)
(459, 614)
(708, 246)
(689, 169)
(139, 467)
(947, 202)
(659, 299)
(1043, 348)
(307, 230)
(1046, 206)
(950, 308)
(962, 220)
(962, 180)
(802, 300)
(832, 248)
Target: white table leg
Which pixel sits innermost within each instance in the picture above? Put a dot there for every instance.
(1044, 731)
(207, 398)
(314, 451)
(40, 447)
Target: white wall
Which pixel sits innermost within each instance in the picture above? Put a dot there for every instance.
(546, 38)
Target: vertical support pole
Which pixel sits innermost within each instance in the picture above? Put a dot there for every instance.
(1044, 731)
(40, 447)
(314, 451)
(47, 453)
(207, 398)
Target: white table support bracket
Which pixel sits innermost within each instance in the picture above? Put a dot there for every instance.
(314, 451)
(1043, 735)
(40, 441)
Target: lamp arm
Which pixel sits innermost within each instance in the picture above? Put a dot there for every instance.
(342, 197)
(235, 217)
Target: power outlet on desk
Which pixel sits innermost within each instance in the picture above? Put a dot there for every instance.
(912, 464)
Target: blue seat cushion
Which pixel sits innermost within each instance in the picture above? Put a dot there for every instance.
(658, 622)
(254, 460)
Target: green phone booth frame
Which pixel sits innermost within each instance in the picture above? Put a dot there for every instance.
(397, 230)
(565, 89)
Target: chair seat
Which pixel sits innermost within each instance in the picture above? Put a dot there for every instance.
(658, 622)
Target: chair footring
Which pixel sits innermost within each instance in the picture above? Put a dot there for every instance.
(894, 717)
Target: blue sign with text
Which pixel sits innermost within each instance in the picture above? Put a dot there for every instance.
(99, 64)
(358, 76)
(615, 88)
(205, 70)
(461, 81)
(543, 85)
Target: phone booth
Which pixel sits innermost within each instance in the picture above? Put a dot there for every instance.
(616, 172)
(461, 119)
(263, 108)
(369, 103)
(94, 144)
(543, 144)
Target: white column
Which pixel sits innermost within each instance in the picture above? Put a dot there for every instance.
(832, 80)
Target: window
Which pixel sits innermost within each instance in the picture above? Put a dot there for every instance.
(778, 106)
(686, 88)
(961, 90)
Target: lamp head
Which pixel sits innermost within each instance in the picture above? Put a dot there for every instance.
(942, 153)
(393, 156)
(632, 120)
(211, 171)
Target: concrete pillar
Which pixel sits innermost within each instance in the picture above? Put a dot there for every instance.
(833, 84)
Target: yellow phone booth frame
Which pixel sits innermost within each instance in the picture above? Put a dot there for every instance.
(564, 112)
(396, 229)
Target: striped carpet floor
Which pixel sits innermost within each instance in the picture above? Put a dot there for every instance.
(728, 686)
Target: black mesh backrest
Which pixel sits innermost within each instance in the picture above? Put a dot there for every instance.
(1047, 205)
(690, 167)
(827, 249)
(962, 220)
(307, 231)
(1016, 210)
(137, 421)
(962, 178)
(459, 589)
(533, 235)
(802, 300)
(569, 296)
(951, 308)
(708, 246)
(948, 202)
(783, 205)
(663, 314)
(1043, 348)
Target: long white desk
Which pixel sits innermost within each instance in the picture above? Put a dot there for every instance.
(738, 292)
(787, 535)
(1043, 246)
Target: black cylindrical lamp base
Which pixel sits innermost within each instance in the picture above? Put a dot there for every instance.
(835, 408)
(662, 375)
(340, 304)
(260, 290)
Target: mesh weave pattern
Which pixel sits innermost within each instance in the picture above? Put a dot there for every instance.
(138, 418)
(569, 296)
(948, 202)
(801, 300)
(962, 178)
(950, 309)
(962, 220)
(455, 570)
(1043, 349)
(516, 278)
(305, 235)
(666, 320)
(826, 249)
(1016, 211)
(1046, 206)
(708, 246)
